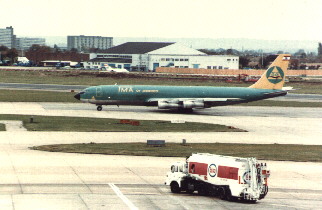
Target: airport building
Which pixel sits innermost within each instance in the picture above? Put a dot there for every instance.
(83, 43)
(147, 56)
(26, 42)
(7, 38)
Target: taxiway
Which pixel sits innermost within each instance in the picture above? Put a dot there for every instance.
(41, 180)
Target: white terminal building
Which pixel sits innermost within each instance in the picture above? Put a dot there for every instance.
(147, 56)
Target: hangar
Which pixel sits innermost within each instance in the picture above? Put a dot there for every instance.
(147, 56)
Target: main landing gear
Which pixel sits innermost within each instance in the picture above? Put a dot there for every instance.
(99, 108)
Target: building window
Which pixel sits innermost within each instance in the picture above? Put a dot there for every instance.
(186, 59)
(220, 67)
(208, 67)
(229, 59)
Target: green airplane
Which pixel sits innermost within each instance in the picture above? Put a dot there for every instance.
(185, 98)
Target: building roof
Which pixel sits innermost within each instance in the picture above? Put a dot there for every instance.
(113, 60)
(137, 47)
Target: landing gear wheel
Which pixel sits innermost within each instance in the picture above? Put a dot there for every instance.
(175, 187)
(99, 108)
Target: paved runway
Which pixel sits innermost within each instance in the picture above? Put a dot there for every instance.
(41, 180)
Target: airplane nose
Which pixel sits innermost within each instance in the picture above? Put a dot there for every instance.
(77, 96)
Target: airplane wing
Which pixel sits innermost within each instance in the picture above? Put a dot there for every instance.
(166, 103)
(193, 99)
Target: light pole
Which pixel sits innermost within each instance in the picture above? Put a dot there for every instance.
(262, 59)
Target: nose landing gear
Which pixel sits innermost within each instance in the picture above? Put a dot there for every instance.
(99, 108)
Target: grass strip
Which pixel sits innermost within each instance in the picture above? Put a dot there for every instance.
(2, 127)
(84, 124)
(276, 152)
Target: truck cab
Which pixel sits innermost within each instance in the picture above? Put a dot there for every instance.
(178, 171)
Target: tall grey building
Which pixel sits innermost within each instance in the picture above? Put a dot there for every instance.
(83, 43)
(25, 43)
(7, 38)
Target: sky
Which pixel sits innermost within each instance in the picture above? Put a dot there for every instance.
(251, 19)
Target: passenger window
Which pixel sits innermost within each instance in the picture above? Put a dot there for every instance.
(172, 168)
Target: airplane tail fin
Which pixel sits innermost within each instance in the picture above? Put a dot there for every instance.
(274, 76)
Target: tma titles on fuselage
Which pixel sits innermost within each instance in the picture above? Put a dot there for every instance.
(188, 97)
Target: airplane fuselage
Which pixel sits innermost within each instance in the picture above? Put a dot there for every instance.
(150, 95)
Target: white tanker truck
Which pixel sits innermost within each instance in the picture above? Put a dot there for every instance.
(231, 178)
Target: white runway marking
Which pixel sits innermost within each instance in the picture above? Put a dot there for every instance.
(124, 199)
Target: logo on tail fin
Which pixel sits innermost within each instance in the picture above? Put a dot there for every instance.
(275, 74)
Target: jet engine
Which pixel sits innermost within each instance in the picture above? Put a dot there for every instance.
(173, 104)
(193, 104)
(168, 104)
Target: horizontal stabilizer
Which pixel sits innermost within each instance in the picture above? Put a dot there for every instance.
(288, 88)
(275, 94)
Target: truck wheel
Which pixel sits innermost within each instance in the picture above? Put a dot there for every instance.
(175, 187)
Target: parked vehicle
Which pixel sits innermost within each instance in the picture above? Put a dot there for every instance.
(231, 178)
(111, 69)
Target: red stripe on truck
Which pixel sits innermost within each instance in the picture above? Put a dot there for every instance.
(198, 168)
(228, 172)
